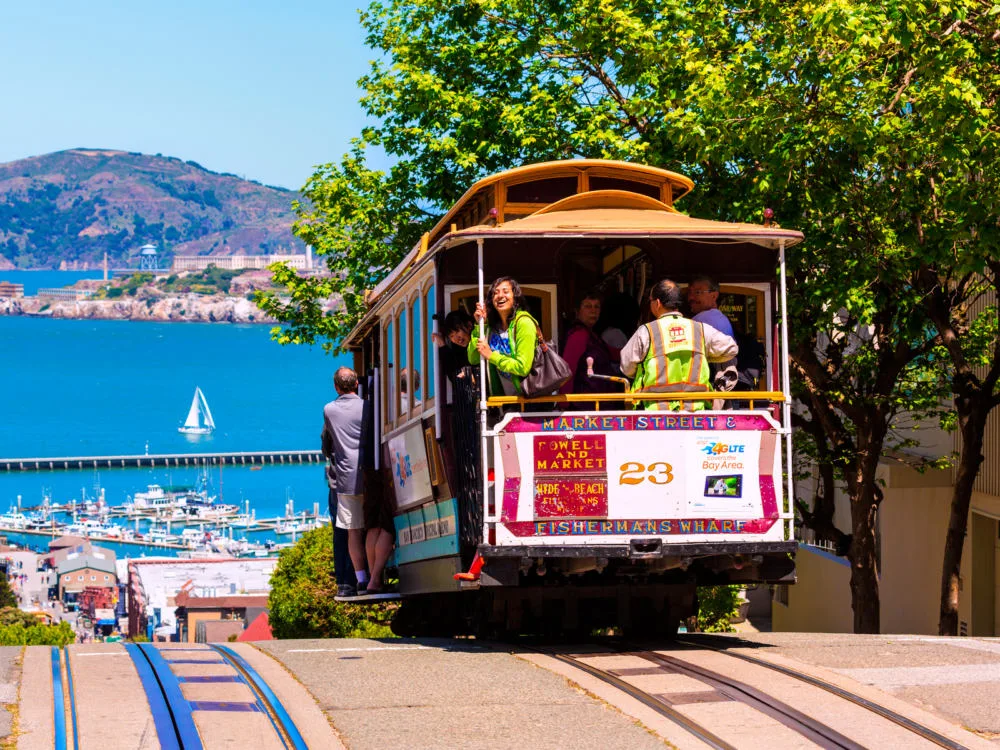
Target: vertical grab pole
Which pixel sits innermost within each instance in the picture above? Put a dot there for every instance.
(483, 447)
(786, 386)
(435, 354)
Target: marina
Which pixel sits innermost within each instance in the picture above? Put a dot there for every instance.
(120, 432)
(164, 518)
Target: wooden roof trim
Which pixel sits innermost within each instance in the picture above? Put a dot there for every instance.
(537, 171)
(605, 199)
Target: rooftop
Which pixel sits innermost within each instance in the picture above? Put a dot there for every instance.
(158, 582)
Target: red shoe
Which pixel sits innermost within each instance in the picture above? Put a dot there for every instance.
(474, 570)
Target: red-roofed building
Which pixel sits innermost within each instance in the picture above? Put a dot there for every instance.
(194, 609)
(258, 630)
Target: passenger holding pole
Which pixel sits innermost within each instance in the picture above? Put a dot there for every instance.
(511, 334)
(671, 354)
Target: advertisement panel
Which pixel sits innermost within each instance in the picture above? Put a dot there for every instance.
(637, 474)
(411, 478)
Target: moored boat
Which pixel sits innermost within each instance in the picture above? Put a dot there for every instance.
(199, 420)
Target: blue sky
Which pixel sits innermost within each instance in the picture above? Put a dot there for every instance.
(264, 90)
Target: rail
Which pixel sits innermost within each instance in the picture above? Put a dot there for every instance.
(173, 712)
(886, 713)
(168, 460)
(805, 725)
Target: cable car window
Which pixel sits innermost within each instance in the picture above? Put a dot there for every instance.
(616, 183)
(542, 191)
(418, 370)
(431, 309)
(390, 377)
(404, 374)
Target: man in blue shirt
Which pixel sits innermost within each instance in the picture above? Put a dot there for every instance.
(703, 299)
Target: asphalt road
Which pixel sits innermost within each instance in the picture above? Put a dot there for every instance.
(437, 694)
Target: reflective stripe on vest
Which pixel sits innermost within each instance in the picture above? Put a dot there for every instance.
(675, 362)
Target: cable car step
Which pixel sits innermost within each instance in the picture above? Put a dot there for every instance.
(384, 596)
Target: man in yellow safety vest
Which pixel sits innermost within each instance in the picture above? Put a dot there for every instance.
(672, 353)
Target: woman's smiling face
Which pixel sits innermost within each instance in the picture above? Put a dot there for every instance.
(503, 298)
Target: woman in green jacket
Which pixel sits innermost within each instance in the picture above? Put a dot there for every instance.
(511, 333)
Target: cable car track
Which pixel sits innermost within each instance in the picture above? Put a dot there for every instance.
(174, 714)
(926, 732)
(797, 720)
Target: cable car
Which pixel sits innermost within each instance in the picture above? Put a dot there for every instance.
(572, 512)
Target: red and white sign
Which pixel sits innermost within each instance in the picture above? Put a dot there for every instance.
(561, 478)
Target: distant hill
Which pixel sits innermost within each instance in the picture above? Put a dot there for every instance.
(76, 205)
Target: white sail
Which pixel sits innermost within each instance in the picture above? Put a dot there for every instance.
(206, 412)
(199, 419)
(192, 417)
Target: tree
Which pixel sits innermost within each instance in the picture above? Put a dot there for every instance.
(856, 121)
(303, 586)
(973, 347)
(7, 596)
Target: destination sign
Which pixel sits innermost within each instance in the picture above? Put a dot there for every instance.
(607, 475)
(642, 421)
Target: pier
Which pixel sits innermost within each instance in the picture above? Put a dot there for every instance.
(167, 460)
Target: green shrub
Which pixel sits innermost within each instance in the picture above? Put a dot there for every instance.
(717, 605)
(19, 628)
(303, 585)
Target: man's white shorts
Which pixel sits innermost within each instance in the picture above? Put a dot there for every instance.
(350, 511)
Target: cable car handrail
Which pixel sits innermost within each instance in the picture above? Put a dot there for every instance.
(751, 396)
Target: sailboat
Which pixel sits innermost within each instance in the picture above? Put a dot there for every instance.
(199, 419)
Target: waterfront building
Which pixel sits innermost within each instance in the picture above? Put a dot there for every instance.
(69, 293)
(66, 542)
(157, 588)
(80, 571)
(59, 554)
(10, 289)
(239, 262)
(201, 619)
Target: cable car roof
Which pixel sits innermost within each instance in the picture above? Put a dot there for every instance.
(619, 214)
(595, 215)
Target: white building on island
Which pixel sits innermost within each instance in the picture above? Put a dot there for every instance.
(241, 262)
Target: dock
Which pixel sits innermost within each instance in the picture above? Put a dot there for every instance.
(166, 460)
(92, 538)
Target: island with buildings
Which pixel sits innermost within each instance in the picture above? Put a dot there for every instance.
(195, 288)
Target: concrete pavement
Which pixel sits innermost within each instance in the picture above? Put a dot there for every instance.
(444, 693)
(955, 678)
(436, 693)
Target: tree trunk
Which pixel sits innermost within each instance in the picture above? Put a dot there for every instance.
(972, 414)
(865, 500)
(864, 563)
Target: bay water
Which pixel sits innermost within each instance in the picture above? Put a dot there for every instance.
(82, 388)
